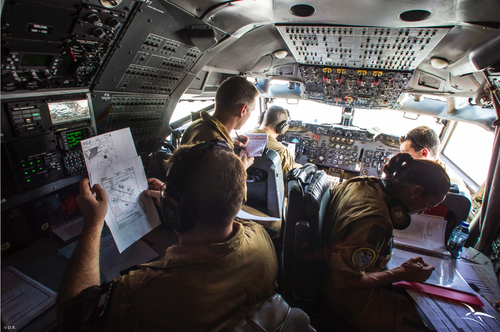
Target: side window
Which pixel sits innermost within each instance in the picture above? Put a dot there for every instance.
(393, 122)
(469, 148)
(185, 106)
(252, 121)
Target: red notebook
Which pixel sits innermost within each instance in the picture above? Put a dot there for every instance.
(441, 291)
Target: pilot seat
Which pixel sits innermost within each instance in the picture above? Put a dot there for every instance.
(265, 185)
(302, 262)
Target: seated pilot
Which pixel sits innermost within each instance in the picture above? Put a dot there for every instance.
(423, 143)
(220, 271)
(361, 217)
(274, 123)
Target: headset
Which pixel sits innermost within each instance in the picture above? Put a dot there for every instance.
(400, 214)
(178, 206)
(398, 210)
(283, 126)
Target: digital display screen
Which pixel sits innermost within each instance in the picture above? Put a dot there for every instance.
(75, 137)
(69, 111)
(36, 60)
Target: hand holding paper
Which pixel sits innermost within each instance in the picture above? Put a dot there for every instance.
(256, 144)
(113, 163)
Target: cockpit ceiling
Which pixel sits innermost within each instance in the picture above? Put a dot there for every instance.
(380, 13)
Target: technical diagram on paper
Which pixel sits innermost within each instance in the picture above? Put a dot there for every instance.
(108, 149)
(122, 189)
(130, 214)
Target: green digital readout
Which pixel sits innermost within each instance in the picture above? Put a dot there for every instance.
(36, 60)
(75, 137)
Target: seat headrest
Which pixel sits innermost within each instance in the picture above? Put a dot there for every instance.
(318, 186)
(302, 174)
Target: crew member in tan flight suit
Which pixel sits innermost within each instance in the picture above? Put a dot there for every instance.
(360, 220)
(219, 272)
(235, 100)
(276, 122)
(423, 143)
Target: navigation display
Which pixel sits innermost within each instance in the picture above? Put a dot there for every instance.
(69, 111)
(74, 137)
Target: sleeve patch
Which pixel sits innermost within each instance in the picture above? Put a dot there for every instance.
(363, 258)
(106, 292)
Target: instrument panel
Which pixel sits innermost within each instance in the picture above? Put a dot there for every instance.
(339, 147)
(41, 144)
(56, 45)
(359, 88)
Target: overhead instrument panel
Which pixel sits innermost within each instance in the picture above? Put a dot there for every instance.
(358, 88)
(49, 45)
(341, 148)
(155, 53)
(361, 47)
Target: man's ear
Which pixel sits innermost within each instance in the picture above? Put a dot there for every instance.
(418, 190)
(425, 153)
(242, 110)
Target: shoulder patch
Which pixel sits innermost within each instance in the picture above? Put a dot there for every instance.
(363, 258)
(106, 292)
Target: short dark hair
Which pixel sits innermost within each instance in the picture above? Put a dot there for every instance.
(274, 115)
(233, 93)
(422, 137)
(216, 182)
(403, 170)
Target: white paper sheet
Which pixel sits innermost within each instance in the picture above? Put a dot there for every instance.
(425, 232)
(448, 315)
(23, 298)
(113, 163)
(245, 215)
(483, 277)
(108, 149)
(445, 274)
(256, 144)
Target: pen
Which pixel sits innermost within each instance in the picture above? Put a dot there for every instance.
(239, 138)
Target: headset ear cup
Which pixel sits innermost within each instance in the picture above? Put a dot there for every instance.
(172, 212)
(400, 215)
(282, 127)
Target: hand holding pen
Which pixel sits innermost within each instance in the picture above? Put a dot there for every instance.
(241, 141)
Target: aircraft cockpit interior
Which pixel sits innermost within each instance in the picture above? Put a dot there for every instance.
(355, 77)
